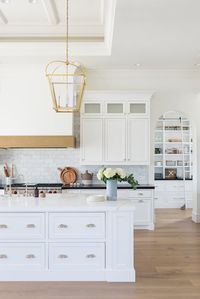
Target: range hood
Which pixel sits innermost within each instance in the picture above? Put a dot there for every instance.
(45, 140)
(37, 141)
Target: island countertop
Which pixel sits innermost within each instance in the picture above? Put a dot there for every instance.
(62, 203)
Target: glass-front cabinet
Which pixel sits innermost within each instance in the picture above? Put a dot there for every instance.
(112, 108)
(114, 131)
(92, 108)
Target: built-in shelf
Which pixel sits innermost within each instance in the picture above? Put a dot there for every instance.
(173, 135)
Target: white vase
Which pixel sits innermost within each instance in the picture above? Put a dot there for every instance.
(111, 189)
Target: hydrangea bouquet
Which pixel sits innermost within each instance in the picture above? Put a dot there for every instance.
(118, 174)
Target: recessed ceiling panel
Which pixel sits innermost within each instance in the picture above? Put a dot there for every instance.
(48, 17)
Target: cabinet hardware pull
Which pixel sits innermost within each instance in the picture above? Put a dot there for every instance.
(90, 225)
(30, 225)
(90, 256)
(3, 256)
(3, 226)
(63, 256)
(30, 256)
(140, 193)
(140, 200)
(63, 226)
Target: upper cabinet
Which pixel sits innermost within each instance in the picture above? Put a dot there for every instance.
(119, 129)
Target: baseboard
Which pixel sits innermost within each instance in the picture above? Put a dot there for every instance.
(142, 226)
(120, 275)
(196, 217)
(98, 275)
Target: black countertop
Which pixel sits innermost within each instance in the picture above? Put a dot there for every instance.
(103, 186)
(172, 179)
(93, 186)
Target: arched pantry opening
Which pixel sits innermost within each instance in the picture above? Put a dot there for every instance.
(174, 161)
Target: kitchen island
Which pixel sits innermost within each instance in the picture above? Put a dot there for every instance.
(65, 238)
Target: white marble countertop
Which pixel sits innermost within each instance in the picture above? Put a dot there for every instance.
(61, 203)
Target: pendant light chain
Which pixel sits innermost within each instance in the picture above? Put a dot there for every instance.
(67, 30)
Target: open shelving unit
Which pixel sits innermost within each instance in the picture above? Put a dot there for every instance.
(173, 154)
(173, 148)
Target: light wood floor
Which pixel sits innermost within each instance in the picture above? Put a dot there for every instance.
(167, 264)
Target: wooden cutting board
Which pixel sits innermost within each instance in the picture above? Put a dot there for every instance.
(68, 175)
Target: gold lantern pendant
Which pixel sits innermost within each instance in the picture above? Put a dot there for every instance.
(67, 82)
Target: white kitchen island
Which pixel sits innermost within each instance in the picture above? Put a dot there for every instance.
(65, 238)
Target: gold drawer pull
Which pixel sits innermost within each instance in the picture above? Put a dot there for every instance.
(63, 226)
(63, 256)
(30, 225)
(90, 256)
(3, 256)
(90, 225)
(30, 256)
(3, 226)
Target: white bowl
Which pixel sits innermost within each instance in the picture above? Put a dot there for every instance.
(95, 198)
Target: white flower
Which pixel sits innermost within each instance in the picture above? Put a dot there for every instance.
(100, 174)
(120, 172)
(109, 173)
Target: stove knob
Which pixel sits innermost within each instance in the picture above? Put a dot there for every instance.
(54, 191)
(50, 192)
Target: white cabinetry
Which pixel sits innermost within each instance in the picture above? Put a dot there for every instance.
(124, 134)
(138, 140)
(173, 193)
(115, 140)
(143, 200)
(92, 140)
(65, 240)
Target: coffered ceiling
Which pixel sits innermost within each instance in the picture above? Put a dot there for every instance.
(111, 34)
(90, 21)
(46, 19)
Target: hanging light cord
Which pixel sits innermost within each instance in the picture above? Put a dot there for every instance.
(67, 30)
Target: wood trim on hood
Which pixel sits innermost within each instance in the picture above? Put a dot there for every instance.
(37, 141)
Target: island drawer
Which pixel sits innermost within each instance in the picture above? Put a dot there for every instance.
(139, 193)
(15, 226)
(22, 256)
(77, 226)
(76, 256)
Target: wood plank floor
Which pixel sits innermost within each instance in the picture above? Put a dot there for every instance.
(167, 264)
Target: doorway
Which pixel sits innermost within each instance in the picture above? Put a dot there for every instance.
(173, 161)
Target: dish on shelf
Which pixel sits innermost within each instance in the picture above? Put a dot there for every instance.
(170, 163)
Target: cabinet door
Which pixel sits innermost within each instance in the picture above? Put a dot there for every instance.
(114, 109)
(138, 109)
(138, 141)
(91, 109)
(92, 141)
(115, 140)
(143, 212)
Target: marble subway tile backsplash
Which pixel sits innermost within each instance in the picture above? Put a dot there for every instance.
(40, 165)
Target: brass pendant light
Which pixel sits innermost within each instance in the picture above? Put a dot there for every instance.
(67, 79)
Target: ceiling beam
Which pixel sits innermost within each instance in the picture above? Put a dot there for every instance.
(3, 18)
(51, 12)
